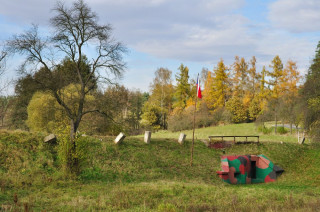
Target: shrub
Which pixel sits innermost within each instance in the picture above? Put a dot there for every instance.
(264, 129)
(237, 110)
(183, 120)
(72, 156)
(180, 121)
(282, 130)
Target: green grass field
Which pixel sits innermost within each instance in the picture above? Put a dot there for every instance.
(232, 129)
(135, 176)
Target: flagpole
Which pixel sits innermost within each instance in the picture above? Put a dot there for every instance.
(194, 125)
(194, 118)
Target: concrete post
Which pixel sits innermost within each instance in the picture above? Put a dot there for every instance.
(50, 139)
(147, 137)
(119, 138)
(182, 137)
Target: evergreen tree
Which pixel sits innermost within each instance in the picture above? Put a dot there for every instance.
(182, 92)
(311, 97)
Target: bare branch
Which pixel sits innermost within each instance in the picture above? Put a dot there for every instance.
(74, 28)
(101, 113)
(3, 85)
(2, 62)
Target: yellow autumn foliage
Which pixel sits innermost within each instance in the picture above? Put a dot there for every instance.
(44, 112)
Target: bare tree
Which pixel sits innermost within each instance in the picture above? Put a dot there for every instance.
(75, 28)
(4, 100)
(3, 55)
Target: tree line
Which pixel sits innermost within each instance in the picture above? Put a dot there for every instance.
(236, 93)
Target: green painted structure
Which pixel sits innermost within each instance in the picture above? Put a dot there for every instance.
(246, 169)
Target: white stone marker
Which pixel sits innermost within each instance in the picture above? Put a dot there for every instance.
(147, 137)
(182, 137)
(50, 138)
(119, 138)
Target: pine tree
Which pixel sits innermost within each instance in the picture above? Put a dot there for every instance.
(311, 97)
(182, 92)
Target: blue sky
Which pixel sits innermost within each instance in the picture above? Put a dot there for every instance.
(197, 33)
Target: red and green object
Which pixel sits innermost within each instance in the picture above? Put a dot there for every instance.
(246, 169)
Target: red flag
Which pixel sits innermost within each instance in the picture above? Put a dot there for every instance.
(198, 89)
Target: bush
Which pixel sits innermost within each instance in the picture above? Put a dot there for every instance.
(183, 120)
(282, 130)
(237, 110)
(72, 158)
(264, 129)
(180, 121)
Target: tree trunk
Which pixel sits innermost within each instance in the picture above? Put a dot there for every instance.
(275, 129)
(291, 128)
(72, 159)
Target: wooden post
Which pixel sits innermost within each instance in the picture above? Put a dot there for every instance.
(194, 125)
(194, 117)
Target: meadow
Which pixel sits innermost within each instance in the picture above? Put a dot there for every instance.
(233, 129)
(135, 176)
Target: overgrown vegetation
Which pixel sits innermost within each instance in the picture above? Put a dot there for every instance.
(135, 176)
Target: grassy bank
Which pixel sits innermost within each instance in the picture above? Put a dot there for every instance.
(157, 177)
(232, 129)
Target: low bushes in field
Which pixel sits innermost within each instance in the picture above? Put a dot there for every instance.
(268, 130)
(204, 118)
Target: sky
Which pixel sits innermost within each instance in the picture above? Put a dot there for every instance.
(196, 33)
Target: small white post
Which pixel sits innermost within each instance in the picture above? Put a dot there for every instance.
(182, 137)
(147, 137)
(119, 138)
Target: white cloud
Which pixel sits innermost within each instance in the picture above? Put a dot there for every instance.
(27, 12)
(296, 16)
(126, 3)
(200, 31)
